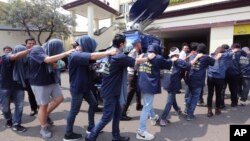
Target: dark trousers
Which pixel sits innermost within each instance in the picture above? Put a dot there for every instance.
(133, 89)
(111, 110)
(32, 99)
(233, 83)
(217, 85)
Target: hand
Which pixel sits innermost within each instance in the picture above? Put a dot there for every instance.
(112, 51)
(69, 51)
(174, 59)
(151, 56)
(235, 50)
(199, 55)
(141, 55)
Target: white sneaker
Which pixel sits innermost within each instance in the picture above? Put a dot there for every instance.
(45, 132)
(144, 136)
(243, 103)
(154, 120)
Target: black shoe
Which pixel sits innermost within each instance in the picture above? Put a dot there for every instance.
(50, 122)
(139, 107)
(72, 137)
(8, 123)
(125, 118)
(19, 128)
(178, 92)
(222, 106)
(32, 113)
(234, 104)
(120, 138)
(98, 109)
(87, 139)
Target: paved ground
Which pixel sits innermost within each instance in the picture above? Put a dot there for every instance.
(202, 129)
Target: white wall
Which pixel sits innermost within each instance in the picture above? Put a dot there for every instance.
(221, 35)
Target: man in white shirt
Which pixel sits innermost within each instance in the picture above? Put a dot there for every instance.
(184, 51)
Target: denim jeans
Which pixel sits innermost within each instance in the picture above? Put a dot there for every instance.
(171, 100)
(147, 110)
(111, 110)
(76, 103)
(193, 97)
(18, 99)
(1, 91)
(246, 87)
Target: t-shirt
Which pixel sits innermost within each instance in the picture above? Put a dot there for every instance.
(39, 73)
(149, 74)
(79, 72)
(234, 63)
(218, 70)
(7, 67)
(172, 77)
(197, 74)
(183, 55)
(112, 82)
(245, 66)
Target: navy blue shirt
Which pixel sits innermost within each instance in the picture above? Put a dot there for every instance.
(79, 73)
(149, 74)
(197, 74)
(218, 70)
(172, 77)
(234, 63)
(245, 66)
(7, 67)
(38, 69)
(112, 82)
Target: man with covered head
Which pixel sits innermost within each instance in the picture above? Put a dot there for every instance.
(81, 82)
(113, 90)
(44, 81)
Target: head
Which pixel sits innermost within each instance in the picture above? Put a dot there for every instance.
(54, 47)
(174, 52)
(153, 48)
(86, 44)
(235, 47)
(137, 44)
(193, 46)
(219, 50)
(246, 49)
(119, 41)
(185, 47)
(201, 48)
(225, 46)
(30, 42)
(19, 48)
(7, 49)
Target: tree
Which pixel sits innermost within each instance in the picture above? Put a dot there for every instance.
(39, 15)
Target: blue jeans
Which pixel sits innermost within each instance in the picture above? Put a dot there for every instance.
(76, 103)
(18, 98)
(171, 100)
(246, 87)
(147, 110)
(111, 110)
(193, 97)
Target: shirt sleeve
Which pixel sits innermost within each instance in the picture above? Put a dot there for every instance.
(165, 63)
(211, 61)
(183, 64)
(182, 55)
(127, 61)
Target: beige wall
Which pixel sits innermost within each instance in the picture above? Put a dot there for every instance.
(221, 35)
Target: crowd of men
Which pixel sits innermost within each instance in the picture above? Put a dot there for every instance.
(36, 69)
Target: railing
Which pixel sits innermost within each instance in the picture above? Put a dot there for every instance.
(98, 32)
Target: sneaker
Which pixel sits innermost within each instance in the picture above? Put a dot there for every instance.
(72, 137)
(164, 122)
(19, 128)
(125, 118)
(33, 113)
(154, 120)
(45, 132)
(144, 136)
(243, 103)
(8, 123)
(121, 138)
(49, 121)
(201, 103)
(190, 118)
(139, 107)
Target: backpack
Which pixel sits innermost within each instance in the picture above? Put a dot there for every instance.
(102, 66)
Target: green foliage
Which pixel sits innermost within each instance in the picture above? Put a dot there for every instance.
(174, 2)
(40, 15)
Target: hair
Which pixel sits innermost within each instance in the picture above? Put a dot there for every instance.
(193, 46)
(201, 48)
(236, 45)
(184, 44)
(118, 39)
(219, 49)
(225, 46)
(30, 39)
(173, 49)
(7, 47)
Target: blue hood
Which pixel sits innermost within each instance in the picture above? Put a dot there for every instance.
(87, 43)
(54, 47)
(155, 48)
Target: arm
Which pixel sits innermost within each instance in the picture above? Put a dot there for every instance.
(54, 58)
(141, 60)
(99, 55)
(19, 55)
(198, 56)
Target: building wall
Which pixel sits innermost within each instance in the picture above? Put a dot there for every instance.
(221, 35)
